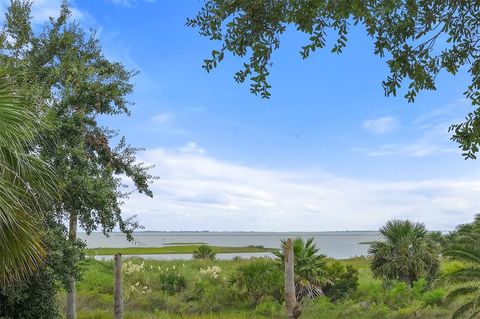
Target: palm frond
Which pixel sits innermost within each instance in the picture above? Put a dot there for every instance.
(462, 291)
(464, 309)
(465, 280)
(27, 186)
(466, 253)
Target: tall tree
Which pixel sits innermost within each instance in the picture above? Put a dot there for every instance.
(406, 253)
(80, 84)
(420, 39)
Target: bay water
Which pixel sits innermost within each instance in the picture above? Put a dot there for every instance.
(335, 244)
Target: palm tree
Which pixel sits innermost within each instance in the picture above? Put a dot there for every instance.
(309, 268)
(465, 281)
(406, 253)
(27, 185)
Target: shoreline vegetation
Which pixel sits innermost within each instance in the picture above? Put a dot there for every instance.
(174, 249)
(212, 289)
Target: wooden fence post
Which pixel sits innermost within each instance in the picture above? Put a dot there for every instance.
(117, 292)
(293, 310)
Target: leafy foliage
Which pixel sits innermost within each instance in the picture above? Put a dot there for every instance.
(172, 282)
(78, 83)
(257, 281)
(36, 298)
(28, 185)
(342, 281)
(65, 69)
(406, 254)
(420, 39)
(208, 297)
(465, 280)
(204, 252)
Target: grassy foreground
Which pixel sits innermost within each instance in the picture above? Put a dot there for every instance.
(151, 291)
(175, 249)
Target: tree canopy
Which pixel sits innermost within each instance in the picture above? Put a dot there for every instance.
(64, 68)
(419, 39)
(69, 72)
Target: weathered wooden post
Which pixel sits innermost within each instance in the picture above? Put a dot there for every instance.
(293, 310)
(117, 292)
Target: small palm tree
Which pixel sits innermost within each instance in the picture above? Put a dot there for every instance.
(204, 252)
(465, 281)
(27, 186)
(406, 253)
(309, 268)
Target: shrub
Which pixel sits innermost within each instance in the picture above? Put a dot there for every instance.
(209, 293)
(172, 282)
(419, 287)
(36, 297)
(260, 279)
(372, 291)
(399, 295)
(342, 281)
(433, 297)
(204, 252)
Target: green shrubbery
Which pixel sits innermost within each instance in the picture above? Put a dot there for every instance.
(250, 289)
(36, 298)
(254, 288)
(204, 252)
(258, 281)
(342, 281)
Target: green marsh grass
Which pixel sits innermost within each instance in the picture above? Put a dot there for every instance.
(206, 297)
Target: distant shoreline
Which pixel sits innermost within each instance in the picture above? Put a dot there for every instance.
(174, 249)
(240, 231)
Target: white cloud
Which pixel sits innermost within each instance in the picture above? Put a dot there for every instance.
(199, 192)
(431, 129)
(192, 147)
(42, 10)
(161, 118)
(381, 125)
(165, 124)
(435, 140)
(128, 3)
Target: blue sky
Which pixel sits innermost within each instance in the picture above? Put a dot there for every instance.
(327, 152)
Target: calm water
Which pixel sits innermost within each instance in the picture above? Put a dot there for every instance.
(333, 244)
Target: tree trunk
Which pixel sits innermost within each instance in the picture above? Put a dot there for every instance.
(71, 294)
(117, 292)
(293, 310)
